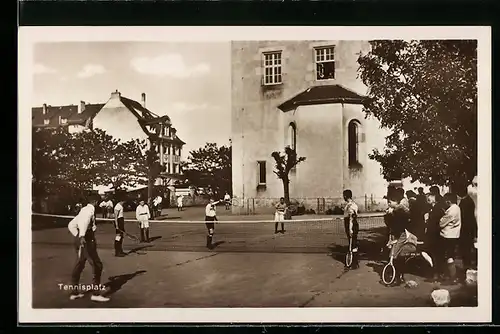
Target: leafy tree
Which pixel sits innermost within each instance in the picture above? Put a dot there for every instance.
(284, 163)
(210, 167)
(425, 93)
(69, 164)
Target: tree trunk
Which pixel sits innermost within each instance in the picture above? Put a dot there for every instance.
(286, 191)
(151, 185)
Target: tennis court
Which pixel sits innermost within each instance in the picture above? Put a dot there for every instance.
(321, 234)
(250, 267)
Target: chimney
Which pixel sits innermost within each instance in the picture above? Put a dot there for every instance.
(44, 110)
(116, 94)
(143, 99)
(81, 107)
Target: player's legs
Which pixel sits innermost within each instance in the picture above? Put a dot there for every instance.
(81, 259)
(97, 267)
(119, 237)
(210, 230)
(449, 253)
(146, 230)
(355, 248)
(142, 228)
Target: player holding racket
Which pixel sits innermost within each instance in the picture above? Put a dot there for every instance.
(82, 227)
(210, 219)
(119, 229)
(351, 227)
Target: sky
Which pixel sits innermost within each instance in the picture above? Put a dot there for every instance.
(189, 82)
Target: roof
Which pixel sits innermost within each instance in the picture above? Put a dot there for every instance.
(66, 112)
(135, 106)
(324, 94)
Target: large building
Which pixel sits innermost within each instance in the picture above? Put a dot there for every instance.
(305, 94)
(124, 119)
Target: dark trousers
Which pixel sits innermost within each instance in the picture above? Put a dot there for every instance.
(353, 238)
(449, 246)
(467, 251)
(355, 230)
(210, 224)
(120, 228)
(84, 254)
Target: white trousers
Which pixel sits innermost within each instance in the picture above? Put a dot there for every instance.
(279, 216)
(144, 223)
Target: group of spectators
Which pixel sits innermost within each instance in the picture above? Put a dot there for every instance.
(441, 224)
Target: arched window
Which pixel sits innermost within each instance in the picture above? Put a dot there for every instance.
(353, 142)
(292, 136)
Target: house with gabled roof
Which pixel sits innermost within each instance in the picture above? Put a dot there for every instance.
(124, 119)
(306, 95)
(73, 117)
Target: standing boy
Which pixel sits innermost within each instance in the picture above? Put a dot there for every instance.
(450, 225)
(82, 227)
(143, 215)
(351, 225)
(119, 229)
(227, 200)
(179, 203)
(279, 216)
(210, 219)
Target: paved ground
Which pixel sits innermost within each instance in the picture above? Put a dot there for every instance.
(251, 267)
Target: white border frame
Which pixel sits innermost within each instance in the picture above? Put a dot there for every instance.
(28, 36)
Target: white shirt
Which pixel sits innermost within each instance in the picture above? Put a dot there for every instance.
(118, 210)
(350, 209)
(227, 197)
(103, 204)
(210, 209)
(179, 200)
(109, 204)
(142, 212)
(79, 225)
(157, 200)
(451, 223)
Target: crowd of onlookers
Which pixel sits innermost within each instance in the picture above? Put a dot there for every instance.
(443, 226)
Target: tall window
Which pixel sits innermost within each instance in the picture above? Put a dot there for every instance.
(272, 68)
(325, 63)
(353, 142)
(262, 172)
(292, 135)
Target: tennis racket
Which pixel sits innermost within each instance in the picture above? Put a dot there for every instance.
(389, 272)
(130, 236)
(349, 255)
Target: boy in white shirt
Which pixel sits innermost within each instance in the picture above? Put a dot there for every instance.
(82, 227)
(450, 225)
(210, 219)
(143, 215)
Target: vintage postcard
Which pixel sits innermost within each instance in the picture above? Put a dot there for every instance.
(254, 174)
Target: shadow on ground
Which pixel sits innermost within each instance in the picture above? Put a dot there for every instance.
(117, 282)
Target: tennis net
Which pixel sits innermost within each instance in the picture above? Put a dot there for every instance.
(318, 235)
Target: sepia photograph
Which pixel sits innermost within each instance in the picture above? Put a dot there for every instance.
(258, 174)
